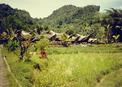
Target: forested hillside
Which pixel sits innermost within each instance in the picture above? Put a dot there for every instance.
(72, 47)
(13, 19)
(70, 19)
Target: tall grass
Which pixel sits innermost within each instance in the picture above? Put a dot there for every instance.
(77, 70)
(75, 66)
(114, 79)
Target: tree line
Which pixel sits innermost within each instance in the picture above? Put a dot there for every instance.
(106, 26)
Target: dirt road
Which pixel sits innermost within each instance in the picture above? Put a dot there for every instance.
(3, 72)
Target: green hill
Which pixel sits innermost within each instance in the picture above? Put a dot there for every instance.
(70, 17)
(12, 19)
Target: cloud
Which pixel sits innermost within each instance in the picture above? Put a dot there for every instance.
(111, 4)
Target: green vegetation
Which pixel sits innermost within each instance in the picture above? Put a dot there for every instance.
(69, 18)
(84, 66)
(14, 19)
(113, 80)
(74, 18)
(74, 64)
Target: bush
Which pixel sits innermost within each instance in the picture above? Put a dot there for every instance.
(43, 43)
(12, 45)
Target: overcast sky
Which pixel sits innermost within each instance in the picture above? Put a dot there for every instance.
(43, 8)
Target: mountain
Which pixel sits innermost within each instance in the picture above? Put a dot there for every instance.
(14, 19)
(71, 15)
(67, 18)
(62, 14)
(5, 10)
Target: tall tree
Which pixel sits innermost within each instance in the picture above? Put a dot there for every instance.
(113, 24)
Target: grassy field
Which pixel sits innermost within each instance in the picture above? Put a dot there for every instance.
(75, 66)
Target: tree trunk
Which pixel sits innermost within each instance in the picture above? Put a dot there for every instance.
(109, 34)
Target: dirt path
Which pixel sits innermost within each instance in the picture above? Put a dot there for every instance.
(3, 72)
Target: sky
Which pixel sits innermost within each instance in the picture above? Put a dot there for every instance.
(43, 8)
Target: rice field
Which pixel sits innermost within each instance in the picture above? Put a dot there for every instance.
(75, 66)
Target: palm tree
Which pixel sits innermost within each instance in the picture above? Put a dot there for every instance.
(113, 23)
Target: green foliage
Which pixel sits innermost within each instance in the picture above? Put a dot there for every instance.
(116, 37)
(113, 22)
(83, 66)
(12, 45)
(15, 19)
(111, 81)
(3, 35)
(69, 19)
(99, 31)
(64, 37)
(69, 15)
(70, 32)
(42, 44)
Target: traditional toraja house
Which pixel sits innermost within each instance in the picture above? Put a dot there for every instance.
(25, 33)
(56, 38)
(53, 36)
(81, 39)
